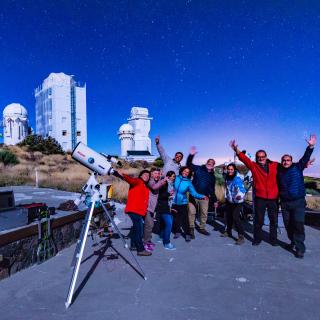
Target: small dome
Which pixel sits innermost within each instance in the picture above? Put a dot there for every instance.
(126, 128)
(15, 109)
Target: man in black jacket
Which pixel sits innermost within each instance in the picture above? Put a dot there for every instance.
(204, 182)
(292, 196)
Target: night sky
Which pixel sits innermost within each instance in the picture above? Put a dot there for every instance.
(208, 71)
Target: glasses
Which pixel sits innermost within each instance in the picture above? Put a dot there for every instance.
(286, 160)
(261, 157)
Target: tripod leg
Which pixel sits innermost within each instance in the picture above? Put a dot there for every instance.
(39, 241)
(83, 230)
(79, 253)
(122, 238)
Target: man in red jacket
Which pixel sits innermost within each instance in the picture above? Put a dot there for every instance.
(264, 174)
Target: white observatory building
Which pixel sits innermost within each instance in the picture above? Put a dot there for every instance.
(61, 110)
(15, 123)
(134, 136)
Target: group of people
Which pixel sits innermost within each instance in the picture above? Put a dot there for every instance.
(172, 196)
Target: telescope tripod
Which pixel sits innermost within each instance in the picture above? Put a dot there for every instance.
(77, 257)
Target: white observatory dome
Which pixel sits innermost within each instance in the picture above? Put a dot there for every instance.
(15, 109)
(126, 128)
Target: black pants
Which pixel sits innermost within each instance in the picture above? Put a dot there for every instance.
(181, 219)
(137, 231)
(260, 206)
(233, 217)
(293, 213)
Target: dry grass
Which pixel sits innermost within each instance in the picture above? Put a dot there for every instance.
(313, 202)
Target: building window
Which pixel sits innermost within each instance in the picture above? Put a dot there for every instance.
(64, 132)
(78, 133)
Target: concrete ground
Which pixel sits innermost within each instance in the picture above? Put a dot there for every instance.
(209, 278)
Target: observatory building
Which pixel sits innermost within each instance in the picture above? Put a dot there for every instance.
(134, 136)
(15, 123)
(61, 110)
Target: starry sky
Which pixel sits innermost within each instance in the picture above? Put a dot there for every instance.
(208, 71)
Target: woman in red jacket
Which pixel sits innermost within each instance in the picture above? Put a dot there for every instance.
(136, 208)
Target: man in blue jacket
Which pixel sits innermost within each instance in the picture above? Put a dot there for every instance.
(292, 196)
(204, 182)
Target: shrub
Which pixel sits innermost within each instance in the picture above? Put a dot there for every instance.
(158, 163)
(7, 157)
(46, 145)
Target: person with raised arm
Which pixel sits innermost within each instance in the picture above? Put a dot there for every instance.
(183, 186)
(154, 184)
(234, 194)
(204, 182)
(292, 196)
(264, 173)
(136, 207)
(169, 163)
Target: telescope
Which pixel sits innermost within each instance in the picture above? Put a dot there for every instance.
(99, 163)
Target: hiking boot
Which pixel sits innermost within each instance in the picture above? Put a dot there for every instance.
(177, 235)
(192, 233)
(144, 253)
(240, 240)
(169, 246)
(289, 246)
(204, 231)
(299, 254)
(256, 242)
(226, 234)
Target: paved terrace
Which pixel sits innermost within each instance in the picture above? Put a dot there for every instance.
(209, 278)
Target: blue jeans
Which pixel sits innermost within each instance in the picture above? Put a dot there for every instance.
(167, 219)
(137, 231)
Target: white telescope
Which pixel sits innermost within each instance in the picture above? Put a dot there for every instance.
(92, 160)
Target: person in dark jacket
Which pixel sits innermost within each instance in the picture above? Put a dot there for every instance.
(292, 196)
(136, 207)
(204, 182)
(264, 173)
(163, 209)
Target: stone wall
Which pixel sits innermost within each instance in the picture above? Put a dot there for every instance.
(21, 253)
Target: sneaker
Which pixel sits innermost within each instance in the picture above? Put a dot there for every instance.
(188, 238)
(204, 231)
(144, 253)
(169, 246)
(150, 243)
(177, 235)
(192, 233)
(148, 248)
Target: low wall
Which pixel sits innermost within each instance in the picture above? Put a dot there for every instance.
(18, 247)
